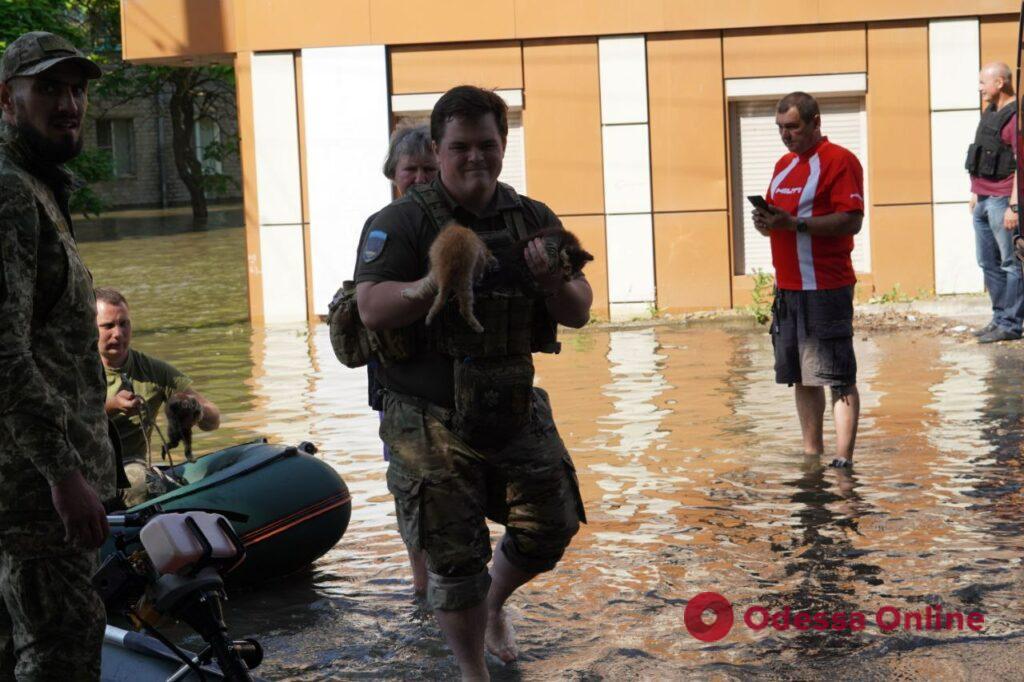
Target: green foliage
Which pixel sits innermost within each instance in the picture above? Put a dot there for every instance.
(218, 152)
(763, 297)
(200, 92)
(56, 16)
(894, 295)
(92, 165)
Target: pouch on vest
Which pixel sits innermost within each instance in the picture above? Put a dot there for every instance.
(396, 345)
(507, 321)
(349, 338)
(971, 163)
(493, 398)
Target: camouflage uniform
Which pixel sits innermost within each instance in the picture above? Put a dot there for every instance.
(52, 422)
(445, 487)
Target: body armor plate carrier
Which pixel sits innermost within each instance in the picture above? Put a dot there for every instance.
(988, 156)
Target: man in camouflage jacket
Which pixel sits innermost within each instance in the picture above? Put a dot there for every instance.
(56, 459)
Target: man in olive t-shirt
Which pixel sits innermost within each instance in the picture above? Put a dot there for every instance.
(152, 382)
(137, 388)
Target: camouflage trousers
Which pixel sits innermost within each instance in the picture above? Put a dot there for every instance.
(51, 619)
(445, 490)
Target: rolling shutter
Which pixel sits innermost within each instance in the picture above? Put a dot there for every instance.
(756, 148)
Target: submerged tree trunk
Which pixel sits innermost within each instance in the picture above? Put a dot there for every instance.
(183, 140)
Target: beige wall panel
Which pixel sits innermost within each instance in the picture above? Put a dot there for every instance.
(250, 205)
(562, 125)
(166, 30)
(589, 230)
(883, 10)
(899, 122)
(152, 29)
(400, 21)
(901, 248)
(277, 25)
(684, 73)
(999, 40)
(439, 67)
(544, 18)
(691, 260)
(792, 52)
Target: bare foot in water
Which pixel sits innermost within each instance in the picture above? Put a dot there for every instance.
(500, 637)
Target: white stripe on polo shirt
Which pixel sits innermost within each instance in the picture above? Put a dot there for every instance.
(804, 254)
(777, 180)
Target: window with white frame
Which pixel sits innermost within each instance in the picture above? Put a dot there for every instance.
(117, 136)
(755, 147)
(208, 133)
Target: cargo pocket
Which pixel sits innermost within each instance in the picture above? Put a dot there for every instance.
(408, 493)
(830, 329)
(574, 483)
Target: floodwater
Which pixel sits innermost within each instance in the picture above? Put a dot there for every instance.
(689, 462)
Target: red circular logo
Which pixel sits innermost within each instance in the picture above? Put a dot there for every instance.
(718, 628)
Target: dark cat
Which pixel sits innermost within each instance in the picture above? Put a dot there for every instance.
(562, 247)
(183, 411)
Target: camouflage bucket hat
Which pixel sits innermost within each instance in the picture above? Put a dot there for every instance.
(33, 53)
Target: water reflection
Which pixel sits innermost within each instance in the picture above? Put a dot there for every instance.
(689, 461)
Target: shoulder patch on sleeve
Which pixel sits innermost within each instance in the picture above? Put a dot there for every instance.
(374, 245)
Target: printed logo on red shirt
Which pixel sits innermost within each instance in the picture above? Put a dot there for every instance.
(828, 179)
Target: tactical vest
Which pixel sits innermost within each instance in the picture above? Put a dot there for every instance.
(493, 370)
(514, 323)
(989, 157)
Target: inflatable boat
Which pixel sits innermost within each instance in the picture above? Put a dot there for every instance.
(288, 506)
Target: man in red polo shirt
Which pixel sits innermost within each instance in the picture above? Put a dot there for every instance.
(816, 205)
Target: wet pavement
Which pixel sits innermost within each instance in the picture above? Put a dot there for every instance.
(689, 462)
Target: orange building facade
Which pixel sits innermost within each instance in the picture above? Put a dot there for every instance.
(642, 124)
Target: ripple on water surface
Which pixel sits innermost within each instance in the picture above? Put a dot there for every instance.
(689, 462)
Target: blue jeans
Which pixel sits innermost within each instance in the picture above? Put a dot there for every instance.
(994, 248)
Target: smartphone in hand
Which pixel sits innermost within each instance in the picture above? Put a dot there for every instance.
(759, 202)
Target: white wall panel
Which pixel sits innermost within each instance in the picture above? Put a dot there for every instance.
(627, 169)
(630, 258)
(623, 69)
(345, 94)
(956, 267)
(276, 138)
(952, 131)
(953, 63)
(284, 273)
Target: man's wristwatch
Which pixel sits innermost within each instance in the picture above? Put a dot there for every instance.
(801, 225)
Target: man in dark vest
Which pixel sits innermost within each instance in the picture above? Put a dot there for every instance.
(991, 163)
(470, 435)
(56, 458)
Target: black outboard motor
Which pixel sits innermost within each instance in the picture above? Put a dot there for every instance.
(177, 574)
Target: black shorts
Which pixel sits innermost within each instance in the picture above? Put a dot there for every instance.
(812, 333)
